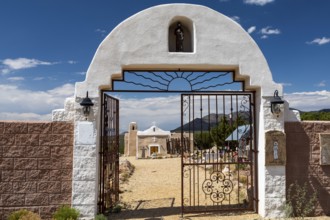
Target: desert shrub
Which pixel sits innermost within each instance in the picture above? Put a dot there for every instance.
(241, 166)
(117, 208)
(17, 214)
(300, 203)
(30, 216)
(66, 213)
(100, 217)
(23, 214)
(243, 179)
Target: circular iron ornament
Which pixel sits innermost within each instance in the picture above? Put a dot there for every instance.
(217, 186)
(217, 197)
(227, 186)
(208, 187)
(217, 176)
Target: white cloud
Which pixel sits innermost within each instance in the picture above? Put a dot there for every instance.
(9, 65)
(286, 84)
(25, 116)
(251, 29)
(258, 2)
(321, 84)
(38, 78)
(165, 111)
(32, 105)
(21, 104)
(81, 73)
(269, 31)
(65, 90)
(17, 78)
(72, 62)
(102, 31)
(266, 31)
(319, 41)
(309, 101)
(235, 18)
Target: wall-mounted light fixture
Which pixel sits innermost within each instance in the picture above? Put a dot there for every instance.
(86, 103)
(275, 104)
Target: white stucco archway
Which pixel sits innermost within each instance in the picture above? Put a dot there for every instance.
(141, 42)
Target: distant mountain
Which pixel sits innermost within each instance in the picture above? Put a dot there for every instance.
(210, 121)
(318, 111)
(196, 125)
(325, 110)
(321, 115)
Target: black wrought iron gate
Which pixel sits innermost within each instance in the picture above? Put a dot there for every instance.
(219, 161)
(108, 194)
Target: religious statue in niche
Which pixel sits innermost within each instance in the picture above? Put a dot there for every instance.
(179, 37)
(275, 149)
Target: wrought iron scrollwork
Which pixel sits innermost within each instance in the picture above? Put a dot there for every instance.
(162, 80)
(245, 106)
(109, 157)
(218, 186)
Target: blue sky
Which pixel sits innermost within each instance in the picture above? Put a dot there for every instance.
(46, 46)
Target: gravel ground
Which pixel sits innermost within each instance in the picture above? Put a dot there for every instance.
(153, 192)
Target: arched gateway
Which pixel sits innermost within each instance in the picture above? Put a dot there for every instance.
(175, 42)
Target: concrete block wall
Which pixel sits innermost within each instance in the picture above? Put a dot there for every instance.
(35, 166)
(303, 160)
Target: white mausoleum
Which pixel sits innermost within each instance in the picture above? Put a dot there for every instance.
(144, 41)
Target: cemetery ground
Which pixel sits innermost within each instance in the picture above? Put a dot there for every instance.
(153, 192)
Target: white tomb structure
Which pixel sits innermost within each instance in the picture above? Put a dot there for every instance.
(144, 41)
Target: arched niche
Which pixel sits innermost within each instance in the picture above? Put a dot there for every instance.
(188, 30)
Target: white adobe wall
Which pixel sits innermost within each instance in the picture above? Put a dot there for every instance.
(66, 114)
(141, 42)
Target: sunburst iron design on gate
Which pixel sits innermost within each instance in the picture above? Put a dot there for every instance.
(165, 81)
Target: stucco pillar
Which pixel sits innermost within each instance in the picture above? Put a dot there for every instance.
(272, 178)
(85, 160)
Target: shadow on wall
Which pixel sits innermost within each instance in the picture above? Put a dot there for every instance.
(303, 161)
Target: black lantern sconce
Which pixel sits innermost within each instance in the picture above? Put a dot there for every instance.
(86, 103)
(275, 104)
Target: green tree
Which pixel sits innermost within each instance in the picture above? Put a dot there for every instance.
(315, 116)
(220, 132)
(223, 129)
(203, 140)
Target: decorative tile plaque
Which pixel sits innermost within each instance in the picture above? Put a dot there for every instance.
(275, 148)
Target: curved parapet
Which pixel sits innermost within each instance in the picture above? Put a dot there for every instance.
(142, 42)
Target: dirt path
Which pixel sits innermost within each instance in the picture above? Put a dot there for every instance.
(153, 192)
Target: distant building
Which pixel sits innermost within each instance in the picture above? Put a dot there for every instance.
(152, 141)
